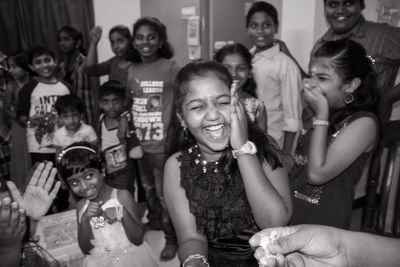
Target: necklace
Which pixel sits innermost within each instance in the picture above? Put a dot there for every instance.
(207, 166)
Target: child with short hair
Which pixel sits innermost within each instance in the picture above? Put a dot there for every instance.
(278, 77)
(36, 109)
(117, 146)
(70, 110)
(109, 228)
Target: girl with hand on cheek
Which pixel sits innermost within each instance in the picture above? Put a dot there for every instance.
(330, 157)
(223, 179)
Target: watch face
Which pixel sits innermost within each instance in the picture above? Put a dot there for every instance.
(251, 148)
(247, 148)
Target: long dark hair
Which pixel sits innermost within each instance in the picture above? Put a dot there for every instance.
(75, 35)
(238, 49)
(21, 59)
(166, 50)
(349, 59)
(126, 33)
(176, 139)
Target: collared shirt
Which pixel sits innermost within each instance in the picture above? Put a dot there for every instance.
(81, 85)
(382, 43)
(279, 86)
(85, 133)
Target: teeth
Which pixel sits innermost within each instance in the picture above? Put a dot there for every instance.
(214, 131)
(214, 127)
(341, 18)
(146, 49)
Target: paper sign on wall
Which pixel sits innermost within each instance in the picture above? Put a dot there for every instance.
(187, 12)
(193, 31)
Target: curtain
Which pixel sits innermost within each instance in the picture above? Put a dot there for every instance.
(25, 23)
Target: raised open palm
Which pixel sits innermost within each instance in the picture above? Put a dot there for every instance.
(39, 193)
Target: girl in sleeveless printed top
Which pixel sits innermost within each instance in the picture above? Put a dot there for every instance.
(217, 188)
(109, 228)
(333, 150)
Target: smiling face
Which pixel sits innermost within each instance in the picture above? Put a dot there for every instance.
(324, 78)
(147, 42)
(237, 67)
(206, 114)
(343, 15)
(87, 184)
(119, 44)
(262, 30)
(44, 66)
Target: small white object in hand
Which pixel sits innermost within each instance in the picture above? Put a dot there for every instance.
(265, 240)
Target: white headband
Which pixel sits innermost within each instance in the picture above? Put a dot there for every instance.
(62, 153)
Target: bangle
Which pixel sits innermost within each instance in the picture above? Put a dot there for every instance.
(197, 257)
(320, 123)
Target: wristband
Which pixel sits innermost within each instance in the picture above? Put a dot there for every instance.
(197, 257)
(321, 123)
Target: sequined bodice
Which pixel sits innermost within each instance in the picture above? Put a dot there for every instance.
(218, 201)
(313, 193)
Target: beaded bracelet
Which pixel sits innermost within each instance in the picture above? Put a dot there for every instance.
(197, 257)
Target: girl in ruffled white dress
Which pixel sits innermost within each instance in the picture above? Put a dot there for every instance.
(109, 227)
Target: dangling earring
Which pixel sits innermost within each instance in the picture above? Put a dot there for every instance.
(185, 133)
(348, 98)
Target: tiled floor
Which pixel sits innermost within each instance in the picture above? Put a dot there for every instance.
(156, 241)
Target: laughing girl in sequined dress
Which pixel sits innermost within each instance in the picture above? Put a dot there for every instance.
(109, 227)
(217, 188)
(331, 155)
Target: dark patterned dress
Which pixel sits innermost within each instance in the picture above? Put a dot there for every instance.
(222, 212)
(330, 203)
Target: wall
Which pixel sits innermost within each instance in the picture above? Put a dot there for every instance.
(303, 23)
(298, 23)
(110, 13)
(169, 12)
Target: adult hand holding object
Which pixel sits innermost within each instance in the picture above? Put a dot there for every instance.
(314, 245)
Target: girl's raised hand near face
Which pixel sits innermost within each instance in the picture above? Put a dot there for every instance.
(95, 34)
(316, 100)
(239, 134)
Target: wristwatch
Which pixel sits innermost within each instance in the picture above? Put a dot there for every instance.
(246, 148)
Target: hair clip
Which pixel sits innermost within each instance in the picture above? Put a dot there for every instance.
(63, 152)
(371, 59)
